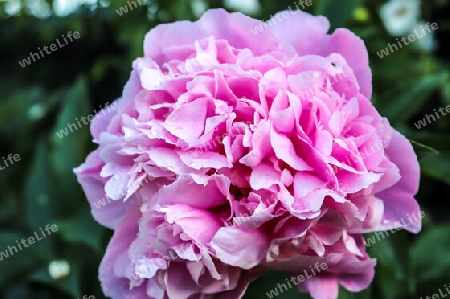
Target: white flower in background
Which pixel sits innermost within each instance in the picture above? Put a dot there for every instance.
(245, 6)
(41, 9)
(36, 111)
(198, 7)
(426, 42)
(12, 7)
(65, 7)
(59, 269)
(400, 16)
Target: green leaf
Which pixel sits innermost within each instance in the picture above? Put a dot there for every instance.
(273, 281)
(10, 202)
(422, 151)
(437, 167)
(392, 263)
(411, 98)
(69, 284)
(81, 229)
(39, 190)
(70, 151)
(436, 142)
(13, 113)
(20, 291)
(16, 262)
(345, 294)
(66, 154)
(428, 266)
(446, 92)
(338, 12)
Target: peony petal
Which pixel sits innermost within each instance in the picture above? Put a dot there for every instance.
(105, 210)
(192, 221)
(399, 203)
(188, 121)
(233, 27)
(264, 176)
(284, 150)
(115, 280)
(180, 284)
(311, 30)
(322, 288)
(197, 196)
(240, 247)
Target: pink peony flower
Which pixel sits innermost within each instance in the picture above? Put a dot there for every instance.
(232, 153)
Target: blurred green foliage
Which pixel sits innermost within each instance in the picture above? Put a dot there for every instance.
(40, 99)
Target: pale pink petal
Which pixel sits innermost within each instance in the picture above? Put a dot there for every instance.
(240, 247)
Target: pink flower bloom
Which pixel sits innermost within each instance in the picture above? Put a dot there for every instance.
(246, 153)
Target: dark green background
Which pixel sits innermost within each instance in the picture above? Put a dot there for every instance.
(39, 100)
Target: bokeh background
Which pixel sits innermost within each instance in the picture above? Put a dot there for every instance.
(38, 100)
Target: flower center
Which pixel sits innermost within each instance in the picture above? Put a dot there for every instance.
(401, 12)
(239, 193)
